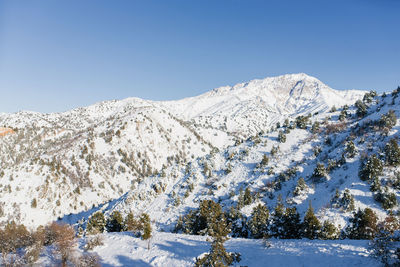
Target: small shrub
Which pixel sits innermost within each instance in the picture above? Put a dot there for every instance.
(94, 241)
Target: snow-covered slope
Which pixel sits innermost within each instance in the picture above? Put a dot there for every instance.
(166, 249)
(56, 164)
(222, 175)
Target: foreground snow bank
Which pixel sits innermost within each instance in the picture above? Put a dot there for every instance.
(167, 249)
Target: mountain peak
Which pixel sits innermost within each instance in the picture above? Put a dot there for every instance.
(279, 96)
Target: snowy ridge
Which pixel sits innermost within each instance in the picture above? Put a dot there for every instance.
(240, 107)
(287, 94)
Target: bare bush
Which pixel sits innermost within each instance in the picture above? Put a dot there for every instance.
(94, 241)
(64, 241)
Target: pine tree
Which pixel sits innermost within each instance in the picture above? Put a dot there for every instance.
(301, 122)
(258, 223)
(286, 124)
(363, 225)
(131, 224)
(319, 171)
(218, 256)
(343, 115)
(277, 229)
(311, 225)
(240, 203)
(371, 169)
(237, 221)
(146, 226)
(315, 127)
(350, 150)
(329, 231)
(247, 198)
(291, 224)
(96, 223)
(387, 199)
(392, 153)
(281, 137)
(347, 201)
(203, 220)
(375, 185)
(300, 187)
(387, 121)
(361, 108)
(115, 223)
(274, 150)
(368, 97)
(264, 161)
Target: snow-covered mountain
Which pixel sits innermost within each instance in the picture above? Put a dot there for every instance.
(62, 163)
(318, 163)
(291, 94)
(247, 108)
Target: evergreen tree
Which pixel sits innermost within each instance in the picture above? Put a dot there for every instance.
(361, 108)
(204, 220)
(274, 150)
(218, 256)
(387, 121)
(392, 153)
(277, 229)
(315, 127)
(96, 223)
(130, 223)
(115, 223)
(368, 97)
(363, 225)
(319, 171)
(311, 225)
(301, 122)
(375, 185)
(291, 224)
(264, 161)
(240, 203)
(371, 169)
(281, 137)
(247, 198)
(329, 231)
(258, 224)
(300, 187)
(146, 226)
(350, 150)
(286, 124)
(387, 199)
(343, 115)
(347, 201)
(237, 222)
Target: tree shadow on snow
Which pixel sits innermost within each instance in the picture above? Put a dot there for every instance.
(125, 261)
(185, 251)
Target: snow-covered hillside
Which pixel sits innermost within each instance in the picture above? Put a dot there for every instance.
(223, 175)
(72, 162)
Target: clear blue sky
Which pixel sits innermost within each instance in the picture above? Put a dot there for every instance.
(57, 55)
